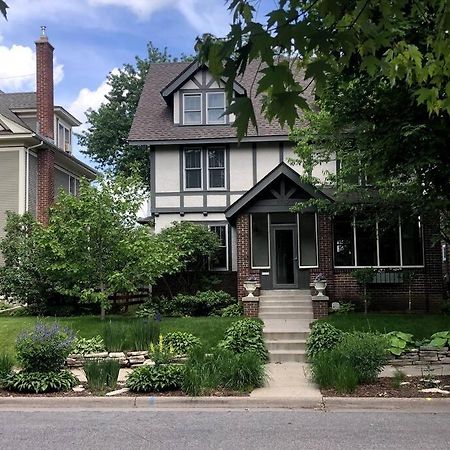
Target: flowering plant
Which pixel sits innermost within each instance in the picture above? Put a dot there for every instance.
(252, 277)
(320, 277)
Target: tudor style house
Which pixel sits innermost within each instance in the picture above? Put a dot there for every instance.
(36, 158)
(244, 192)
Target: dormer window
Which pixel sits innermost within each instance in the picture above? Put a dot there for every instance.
(64, 137)
(215, 105)
(192, 109)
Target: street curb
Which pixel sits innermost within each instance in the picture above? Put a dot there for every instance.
(150, 403)
(387, 404)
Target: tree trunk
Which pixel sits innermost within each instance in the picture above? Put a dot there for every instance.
(365, 299)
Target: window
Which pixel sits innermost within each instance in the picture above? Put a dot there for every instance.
(377, 244)
(220, 261)
(216, 168)
(64, 137)
(260, 240)
(307, 239)
(193, 168)
(192, 109)
(215, 105)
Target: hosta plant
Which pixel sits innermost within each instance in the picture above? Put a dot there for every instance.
(440, 339)
(181, 343)
(399, 342)
(40, 382)
(160, 378)
(83, 346)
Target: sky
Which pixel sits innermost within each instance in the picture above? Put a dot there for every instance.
(94, 37)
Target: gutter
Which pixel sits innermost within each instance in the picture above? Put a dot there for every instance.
(27, 173)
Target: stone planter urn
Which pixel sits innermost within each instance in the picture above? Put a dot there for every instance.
(320, 287)
(250, 286)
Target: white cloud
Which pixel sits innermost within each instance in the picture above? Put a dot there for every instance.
(89, 99)
(19, 73)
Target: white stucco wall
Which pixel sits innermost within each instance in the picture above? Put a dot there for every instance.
(267, 158)
(241, 167)
(164, 220)
(172, 201)
(167, 169)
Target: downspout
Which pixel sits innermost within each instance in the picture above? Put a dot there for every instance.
(27, 174)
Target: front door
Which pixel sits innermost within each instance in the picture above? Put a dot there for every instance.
(284, 257)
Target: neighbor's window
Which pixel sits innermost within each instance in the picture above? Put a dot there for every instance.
(215, 105)
(260, 240)
(378, 244)
(216, 168)
(307, 239)
(64, 137)
(219, 261)
(193, 168)
(192, 109)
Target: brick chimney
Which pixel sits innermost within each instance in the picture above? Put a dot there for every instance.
(45, 125)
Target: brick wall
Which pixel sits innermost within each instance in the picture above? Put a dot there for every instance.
(46, 183)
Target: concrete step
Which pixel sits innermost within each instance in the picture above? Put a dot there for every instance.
(286, 344)
(285, 297)
(284, 292)
(286, 315)
(285, 308)
(280, 335)
(285, 302)
(281, 356)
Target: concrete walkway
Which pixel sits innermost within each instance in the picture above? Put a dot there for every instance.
(288, 380)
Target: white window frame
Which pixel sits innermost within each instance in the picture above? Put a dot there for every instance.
(185, 168)
(221, 269)
(191, 94)
(67, 131)
(223, 119)
(251, 242)
(224, 188)
(378, 266)
(298, 243)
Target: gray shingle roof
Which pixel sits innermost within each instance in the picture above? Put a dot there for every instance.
(154, 118)
(17, 100)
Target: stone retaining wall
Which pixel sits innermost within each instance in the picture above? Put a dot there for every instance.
(423, 356)
(126, 359)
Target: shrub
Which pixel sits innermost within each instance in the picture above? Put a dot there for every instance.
(83, 346)
(323, 337)
(181, 343)
(40, 382)
(365, 353)
(222, 369)
(45, 348)
(6, 365)
(245, 335)
(399, 342)
(345, 308)
(146, 310)
(101, 373)
(235, 310)
(158, 378)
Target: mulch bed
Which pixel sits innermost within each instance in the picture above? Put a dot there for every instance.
(384, 388)
(87, 393)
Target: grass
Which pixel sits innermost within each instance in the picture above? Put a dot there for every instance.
(421, 326)
(209, 329)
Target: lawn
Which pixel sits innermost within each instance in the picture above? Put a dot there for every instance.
(209, 329)
(420, 325)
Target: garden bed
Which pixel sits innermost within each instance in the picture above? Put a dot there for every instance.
(385, 388)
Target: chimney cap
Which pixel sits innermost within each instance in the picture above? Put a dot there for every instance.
(43, 35)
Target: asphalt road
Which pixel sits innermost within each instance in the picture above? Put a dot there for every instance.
(251, 429)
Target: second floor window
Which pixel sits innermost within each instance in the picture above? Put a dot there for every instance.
(192, 109)
(216, 168)
(193, 168)
(64, 137)
(215, 105)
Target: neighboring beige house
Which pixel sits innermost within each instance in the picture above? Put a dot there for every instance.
(36, 158)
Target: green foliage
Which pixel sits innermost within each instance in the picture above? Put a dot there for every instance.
(105, 141)
(3, 8)
(365, 352)
(405, 42)
(6, 365)
(45, 348)
(323, 337)
(399, 342)
(203, 303)
(445, 309)
(440, 339)
(398, 378)
(146, 310)
(181, 343)
(160, 378)
(41, 382)
(83, 346)
(245, 335)
(22, 276)
(345, 308)
(234, 310)
(329, 370)
(222, 369)
(101, 373)
(161, 353)
(136, 334)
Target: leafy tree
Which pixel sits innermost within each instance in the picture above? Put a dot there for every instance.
(105, 141)
(3, 8)
(405, 41)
